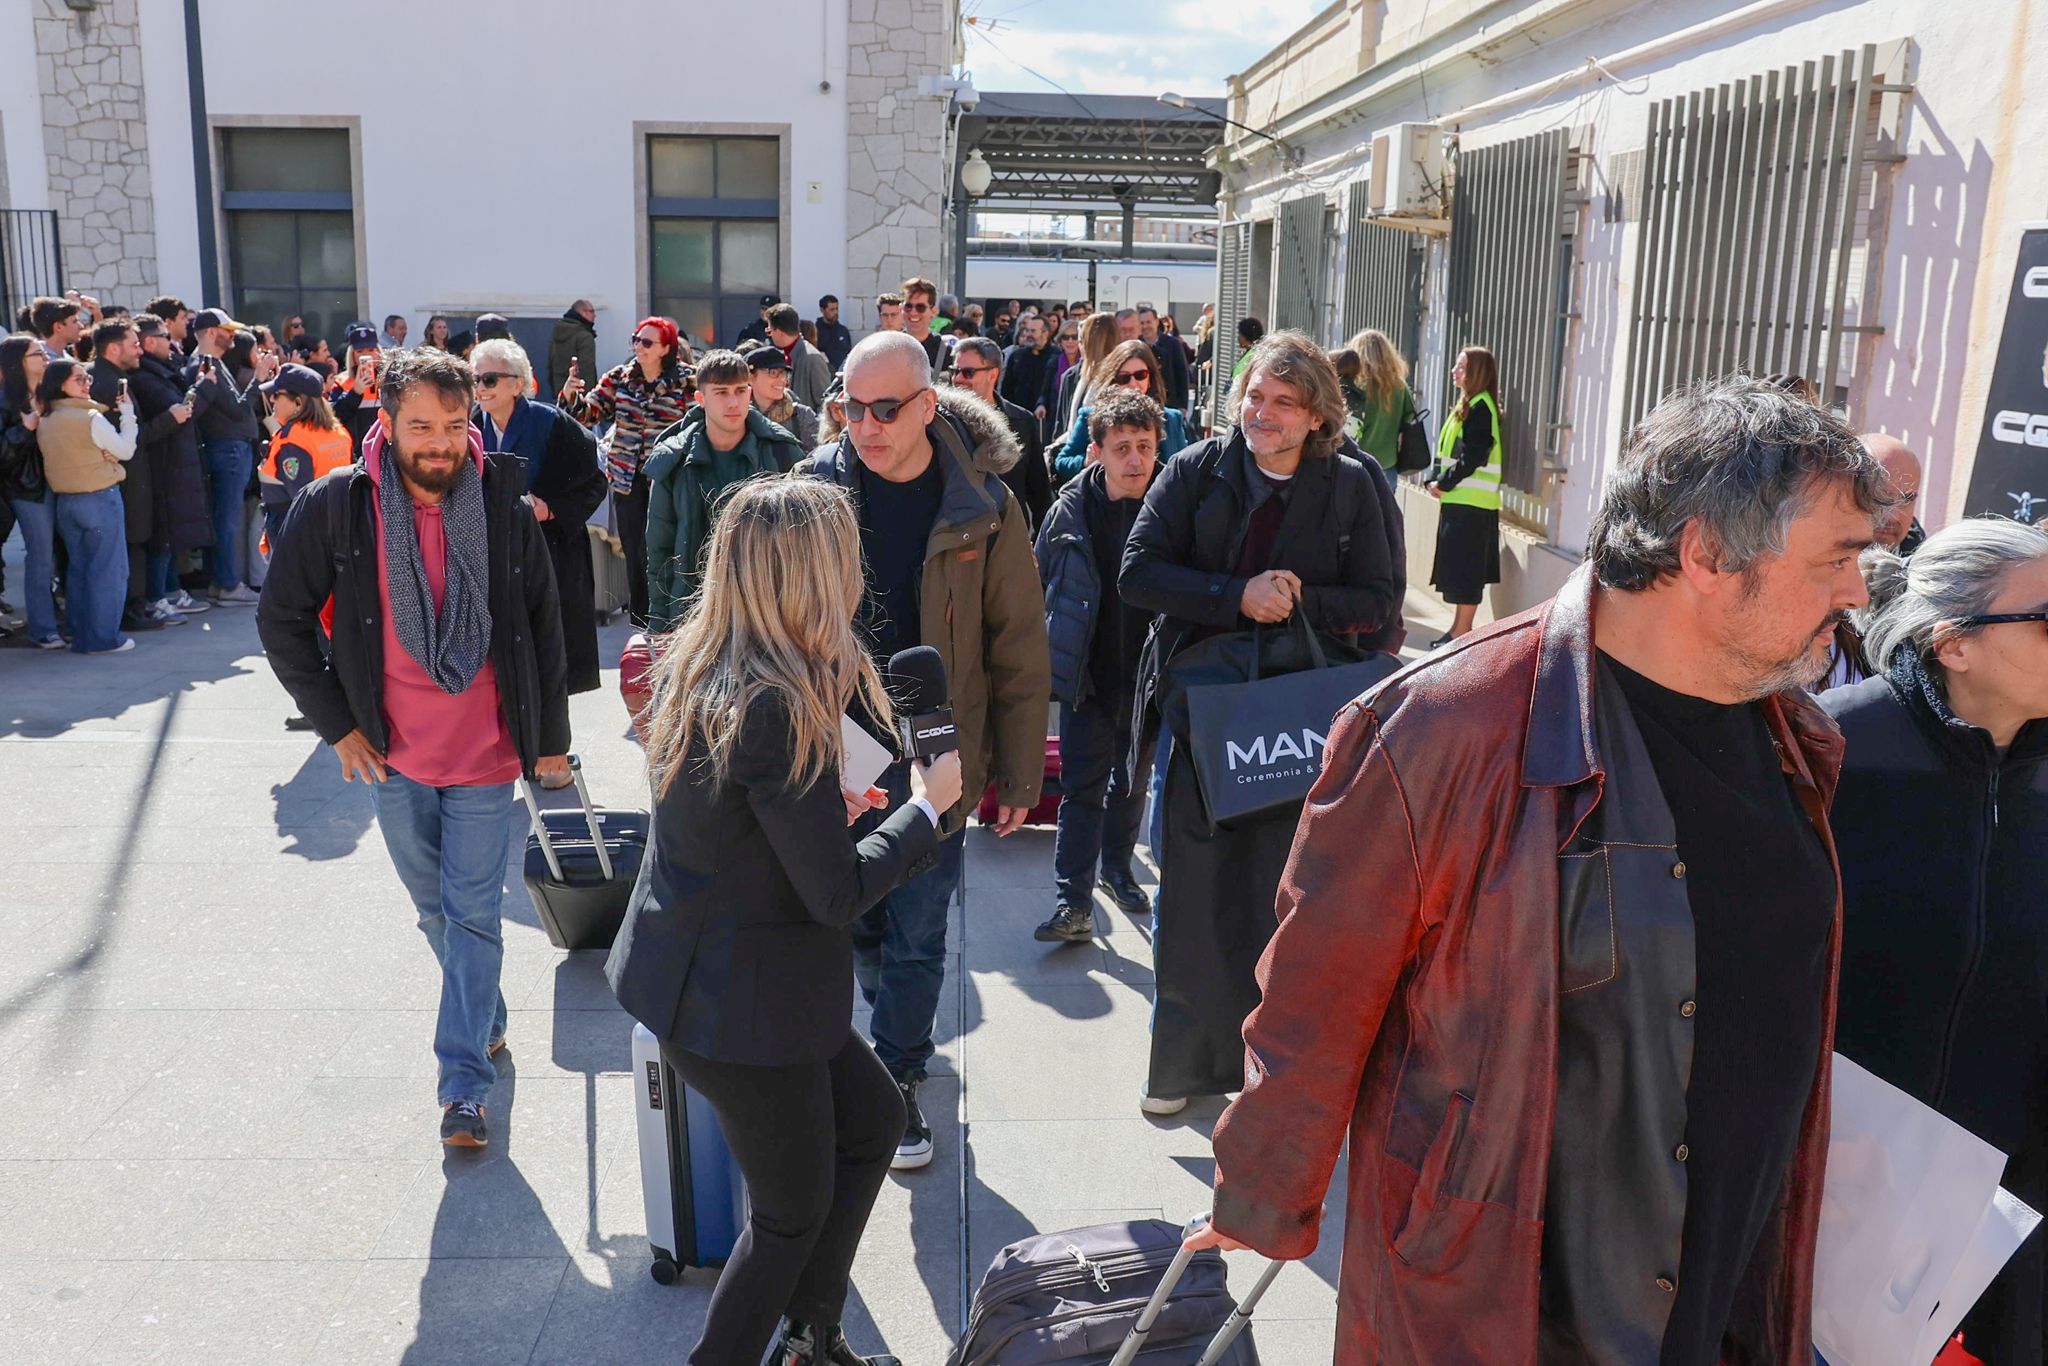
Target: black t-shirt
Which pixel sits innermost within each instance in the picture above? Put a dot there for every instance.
(895, 527)
(1762, 895)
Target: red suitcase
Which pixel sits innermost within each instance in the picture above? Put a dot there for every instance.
(1048, 809)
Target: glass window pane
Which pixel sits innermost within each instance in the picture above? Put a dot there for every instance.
(696, 317)
(748, 257)
(682, 254)
(267, 306)
(287, 159)
(680, 168)
(327, 251)
(262, 248)
(328, 314)
(749, 168)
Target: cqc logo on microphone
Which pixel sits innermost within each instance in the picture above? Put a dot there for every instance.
(2020, 429)
(2034, 284)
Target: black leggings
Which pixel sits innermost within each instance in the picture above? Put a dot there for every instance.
(629, 511)
(814, 1141)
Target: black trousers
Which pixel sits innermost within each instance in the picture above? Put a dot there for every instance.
(814, 1141)
(630, 512)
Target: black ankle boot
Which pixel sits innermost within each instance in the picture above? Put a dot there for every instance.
(803, 1345)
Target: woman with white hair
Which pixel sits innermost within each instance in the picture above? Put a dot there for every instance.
(563, 482)
(1941, 820)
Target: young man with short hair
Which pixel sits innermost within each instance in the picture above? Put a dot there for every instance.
(1096, 640)
(810, 374)
(444, 684)
(177, 318)
(888, 313)
(58, 324)
(833, 338)
(718, 442)
(920, 311)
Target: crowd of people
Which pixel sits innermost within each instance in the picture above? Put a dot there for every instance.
(1647, 783)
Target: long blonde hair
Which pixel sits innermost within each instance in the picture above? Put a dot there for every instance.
(1098, 339)
(775, 617)
(1382, 370)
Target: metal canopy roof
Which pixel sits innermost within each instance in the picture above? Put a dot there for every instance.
(1095, 147)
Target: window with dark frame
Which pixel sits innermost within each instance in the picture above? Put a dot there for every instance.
(714, 231)
(288, 202)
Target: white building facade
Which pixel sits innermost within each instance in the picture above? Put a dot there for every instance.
(1636, 193)
(458, 158)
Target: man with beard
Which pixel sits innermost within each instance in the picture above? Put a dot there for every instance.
(1618, 1160)
(444, 683)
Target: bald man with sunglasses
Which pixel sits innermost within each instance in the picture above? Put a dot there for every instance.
(947, 552)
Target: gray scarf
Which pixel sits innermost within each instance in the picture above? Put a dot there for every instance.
(452, 645)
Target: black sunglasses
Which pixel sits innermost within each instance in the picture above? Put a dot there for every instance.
(884, 410)
(492, 379)
(969, 371)
(1134, 377)
(917, 308)
(646, 341)
(2000, 619)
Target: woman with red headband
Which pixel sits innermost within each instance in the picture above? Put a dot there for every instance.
(641, 399)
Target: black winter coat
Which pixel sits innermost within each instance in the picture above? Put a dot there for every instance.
(1069, 568)
(176, 515)
(1944, 852)
(737, 943)
(21, 463)
(1341, 534)
(328, 547)
(1030, 478)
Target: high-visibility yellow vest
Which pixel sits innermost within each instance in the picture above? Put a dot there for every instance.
(1481, 488)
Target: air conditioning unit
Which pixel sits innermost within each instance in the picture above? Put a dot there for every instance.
(1408, 172)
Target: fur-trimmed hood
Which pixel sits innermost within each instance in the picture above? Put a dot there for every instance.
(994, 445)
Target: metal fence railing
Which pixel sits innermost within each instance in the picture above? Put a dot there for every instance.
(31, 259)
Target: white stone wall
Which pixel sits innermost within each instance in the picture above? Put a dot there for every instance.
(89, 68)
(898, 167)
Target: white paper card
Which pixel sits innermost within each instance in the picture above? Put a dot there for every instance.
(866, 757)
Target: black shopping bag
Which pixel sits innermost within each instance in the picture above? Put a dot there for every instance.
(1254, 710)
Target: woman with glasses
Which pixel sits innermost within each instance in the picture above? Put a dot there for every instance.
(564, 484)
(641, 399)
(1941, 819)
(1133, 366)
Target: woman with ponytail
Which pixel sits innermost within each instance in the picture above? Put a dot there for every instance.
(1941, 820)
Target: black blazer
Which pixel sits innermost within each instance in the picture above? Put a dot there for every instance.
(736, 944)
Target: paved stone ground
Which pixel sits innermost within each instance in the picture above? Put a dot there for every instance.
(217, 1120)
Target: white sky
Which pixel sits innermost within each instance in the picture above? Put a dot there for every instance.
(1123, 47)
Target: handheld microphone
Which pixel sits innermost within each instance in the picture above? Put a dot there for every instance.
(917, 680)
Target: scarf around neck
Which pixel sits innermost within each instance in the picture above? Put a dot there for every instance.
(450, 645)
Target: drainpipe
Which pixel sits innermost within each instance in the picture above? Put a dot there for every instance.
(202, 160)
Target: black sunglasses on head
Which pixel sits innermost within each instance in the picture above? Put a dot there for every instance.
(884, 410)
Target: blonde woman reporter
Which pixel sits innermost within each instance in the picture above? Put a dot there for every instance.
(736, 949)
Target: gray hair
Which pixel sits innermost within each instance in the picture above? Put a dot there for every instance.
(510, 353)
(1956, 573)
(983, 347)
(1740, 457)
(1291, 358)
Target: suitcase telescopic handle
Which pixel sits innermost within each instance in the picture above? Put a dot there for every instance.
(1148, 1318)
(540, 827)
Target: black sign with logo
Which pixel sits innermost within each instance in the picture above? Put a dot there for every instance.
(2010, 477)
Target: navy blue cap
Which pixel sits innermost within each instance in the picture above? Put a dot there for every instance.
(302, 380)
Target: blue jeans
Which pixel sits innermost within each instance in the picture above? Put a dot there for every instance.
(450, 846)
(157, 579)
(37, 518)
(95, 536)
(899, 953)
(1103, 806)
(229, 463)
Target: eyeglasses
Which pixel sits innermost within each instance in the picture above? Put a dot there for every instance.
(646, 341)
(970, 371)
(1134, 377)
(494, 378)
(2000, 619)
(883, 410)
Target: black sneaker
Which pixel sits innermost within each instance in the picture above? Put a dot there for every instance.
(1069, 925)
(298, 723)
(1441, 641)
(803, 1345)
(132, 622)
(1124, 890)
(916, 1148)
(462, 1125)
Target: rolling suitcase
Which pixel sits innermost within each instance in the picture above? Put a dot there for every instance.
(1047, 812)
(1111, 1295)
(696, 1199)
(581, 866)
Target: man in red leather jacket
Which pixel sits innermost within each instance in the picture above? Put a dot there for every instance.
(1559, 938)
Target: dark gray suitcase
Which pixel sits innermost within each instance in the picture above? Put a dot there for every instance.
(1112, 1295)
(581, 866)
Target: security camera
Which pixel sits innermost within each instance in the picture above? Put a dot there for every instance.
(967, 97)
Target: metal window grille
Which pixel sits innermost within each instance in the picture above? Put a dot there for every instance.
(1382, 276)
(1752, 204)
(31, 260)
(1514, 211)
(1233, 303)
(1298, 286)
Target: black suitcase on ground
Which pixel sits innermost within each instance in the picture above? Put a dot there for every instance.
(581, 866)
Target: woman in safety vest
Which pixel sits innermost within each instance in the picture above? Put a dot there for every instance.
(310, 441)
(1467, 481)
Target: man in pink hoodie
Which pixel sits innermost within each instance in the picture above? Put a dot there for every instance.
(445, 681)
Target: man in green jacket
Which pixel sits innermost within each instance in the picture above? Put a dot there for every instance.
(720, 442)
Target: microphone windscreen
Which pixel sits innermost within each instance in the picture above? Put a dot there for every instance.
(916, 678)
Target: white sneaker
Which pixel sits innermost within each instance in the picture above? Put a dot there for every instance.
(1152, 1105)
(162, 612)
(127, 644)
(186, 603)
(238, 596)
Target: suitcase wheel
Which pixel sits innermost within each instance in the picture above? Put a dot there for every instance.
(665, 1271)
